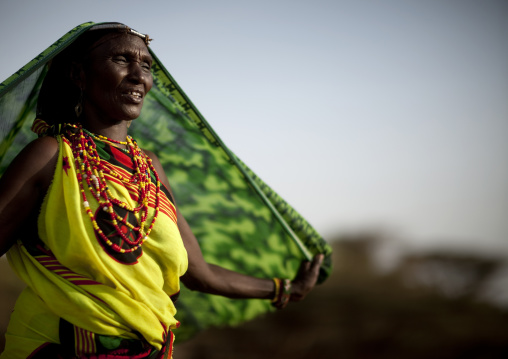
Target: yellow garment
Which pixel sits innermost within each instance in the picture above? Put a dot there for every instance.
(78, 280)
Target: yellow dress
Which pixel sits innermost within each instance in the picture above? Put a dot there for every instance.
(81, 292)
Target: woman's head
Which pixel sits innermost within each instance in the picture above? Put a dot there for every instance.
(107, 69)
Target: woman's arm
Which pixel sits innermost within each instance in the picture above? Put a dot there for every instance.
(213, 279)
(23, 186)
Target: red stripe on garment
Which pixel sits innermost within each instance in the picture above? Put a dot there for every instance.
(170, 345)
(79, 340)
(86, 336)
(68, 273)
(71, 277)
(56, 267)
(92, 342)
(84, 282)
(37, 350)
(95, 297)
(124, 172)
(47, 259)
(165, 205)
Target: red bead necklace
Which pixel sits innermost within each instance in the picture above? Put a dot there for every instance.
(91, 172)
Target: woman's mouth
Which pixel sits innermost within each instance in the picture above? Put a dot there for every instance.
(134, 96)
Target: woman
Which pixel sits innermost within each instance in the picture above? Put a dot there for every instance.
(103, 245)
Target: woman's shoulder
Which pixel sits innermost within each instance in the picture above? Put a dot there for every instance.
(43, 148)
(37, 159)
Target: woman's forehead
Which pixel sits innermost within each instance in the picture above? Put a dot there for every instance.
(115, 41)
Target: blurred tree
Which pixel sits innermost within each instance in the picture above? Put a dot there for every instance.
(453, 275)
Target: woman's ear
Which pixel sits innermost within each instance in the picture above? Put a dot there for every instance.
(77, 74)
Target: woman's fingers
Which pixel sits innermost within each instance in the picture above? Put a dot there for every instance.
(306, 278)
(316, 264)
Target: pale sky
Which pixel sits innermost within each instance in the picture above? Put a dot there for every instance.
(361, 114)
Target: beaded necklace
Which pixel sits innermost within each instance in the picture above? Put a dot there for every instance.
(91, 172)
(112, 142)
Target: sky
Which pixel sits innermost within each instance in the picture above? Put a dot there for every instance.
(364, 115)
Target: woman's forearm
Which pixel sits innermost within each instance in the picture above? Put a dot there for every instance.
(213, 279)
(232, 284)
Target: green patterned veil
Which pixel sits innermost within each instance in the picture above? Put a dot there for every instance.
(240, 222)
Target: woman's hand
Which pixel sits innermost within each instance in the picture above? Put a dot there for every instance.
(306, 278)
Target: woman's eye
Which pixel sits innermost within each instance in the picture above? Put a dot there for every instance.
(120, 59)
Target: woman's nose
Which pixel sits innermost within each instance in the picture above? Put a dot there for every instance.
(137, 73)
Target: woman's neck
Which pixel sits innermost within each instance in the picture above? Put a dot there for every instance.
(117, 131)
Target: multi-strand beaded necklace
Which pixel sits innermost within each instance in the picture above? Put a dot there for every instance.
(91, 172)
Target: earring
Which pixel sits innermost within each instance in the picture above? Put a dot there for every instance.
(78, 109)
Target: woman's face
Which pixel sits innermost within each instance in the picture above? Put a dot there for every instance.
(117, 77)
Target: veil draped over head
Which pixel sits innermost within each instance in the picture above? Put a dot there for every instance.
(240, 222)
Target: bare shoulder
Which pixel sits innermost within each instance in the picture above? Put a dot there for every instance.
(36, 161)
(23, 186)
(38, 152)
(43, 147)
